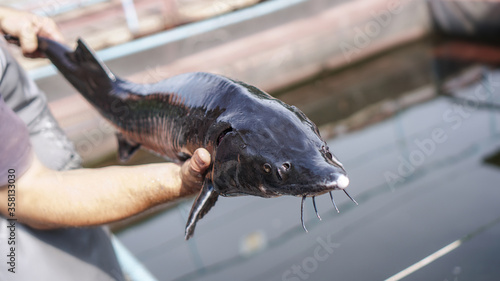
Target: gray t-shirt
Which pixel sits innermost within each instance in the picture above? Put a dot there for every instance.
(59, 254)
(15, 148)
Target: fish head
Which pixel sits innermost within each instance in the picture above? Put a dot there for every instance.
(279, 155)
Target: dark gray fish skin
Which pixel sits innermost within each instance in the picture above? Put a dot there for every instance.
(259, 145)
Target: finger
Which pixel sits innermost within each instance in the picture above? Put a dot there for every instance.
(192, 171)
(50, 30)
(28, 39)
(200, 161)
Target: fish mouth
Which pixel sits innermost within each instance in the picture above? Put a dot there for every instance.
(323, 187)
(340, 183)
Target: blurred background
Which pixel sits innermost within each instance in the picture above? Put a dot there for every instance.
(407, 93)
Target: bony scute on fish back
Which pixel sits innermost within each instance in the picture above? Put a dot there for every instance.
(259, 145)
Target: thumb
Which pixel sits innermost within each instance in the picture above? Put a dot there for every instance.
(193, 170)
(200, 161)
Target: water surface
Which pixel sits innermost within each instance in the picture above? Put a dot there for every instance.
(418, 130)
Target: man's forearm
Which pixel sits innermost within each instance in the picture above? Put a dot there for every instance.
(86, 197)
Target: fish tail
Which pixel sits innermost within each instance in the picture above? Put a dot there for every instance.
(80, 67)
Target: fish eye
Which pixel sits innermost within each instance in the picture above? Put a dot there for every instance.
(267, 167)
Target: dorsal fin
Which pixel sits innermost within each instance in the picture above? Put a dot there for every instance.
(83, 53)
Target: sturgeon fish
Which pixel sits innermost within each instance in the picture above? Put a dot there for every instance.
(259, 145)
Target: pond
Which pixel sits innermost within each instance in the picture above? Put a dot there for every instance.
(418, 131)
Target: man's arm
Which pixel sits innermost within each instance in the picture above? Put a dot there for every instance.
(84, 197)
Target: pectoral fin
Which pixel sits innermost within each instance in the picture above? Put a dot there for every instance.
(205, 200)
(125, 148)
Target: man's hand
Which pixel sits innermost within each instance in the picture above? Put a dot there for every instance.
(27, 26)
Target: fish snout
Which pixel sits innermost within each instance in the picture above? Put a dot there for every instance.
(337, 181)
(342, 181)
